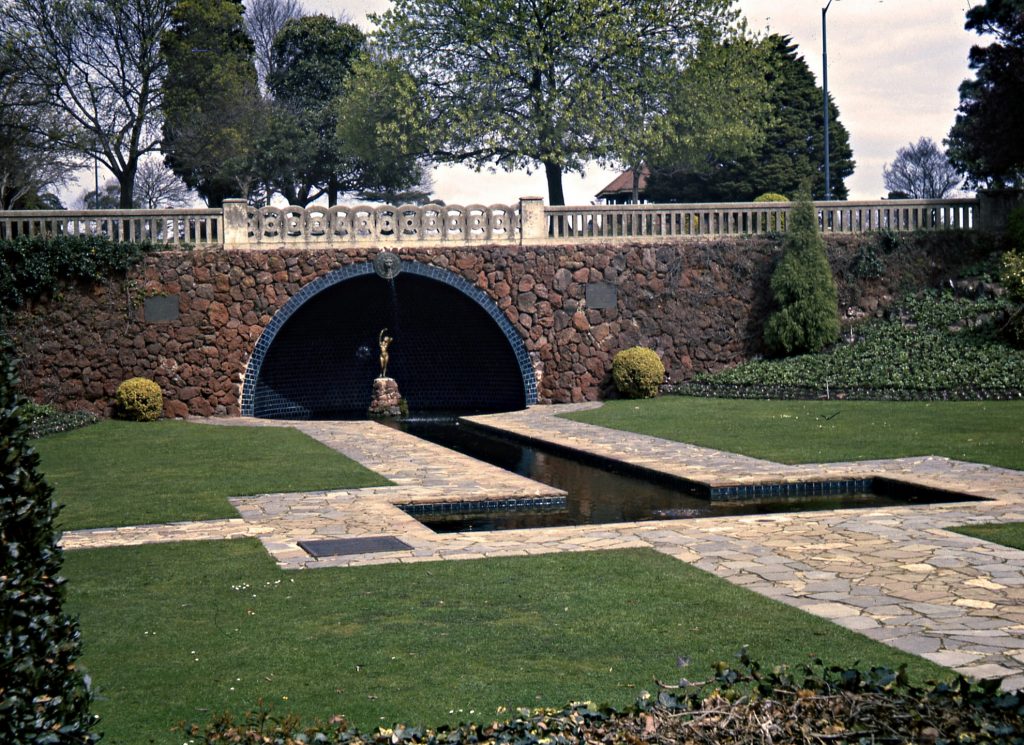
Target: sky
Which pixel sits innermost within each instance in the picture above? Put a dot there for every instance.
(894, 69)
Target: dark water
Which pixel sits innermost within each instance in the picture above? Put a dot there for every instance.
(599, 494)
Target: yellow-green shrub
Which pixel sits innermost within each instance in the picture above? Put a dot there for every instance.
(140, 400)
(771, 196)
(637, 372)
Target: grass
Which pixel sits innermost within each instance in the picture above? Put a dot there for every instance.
(1005, 534)
(130, 473)
(828, 431)
(178, 632)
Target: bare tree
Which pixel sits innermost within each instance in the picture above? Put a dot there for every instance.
(99, 63)
(921, 171)
(263, 20)
(156, 186)
(31, 165)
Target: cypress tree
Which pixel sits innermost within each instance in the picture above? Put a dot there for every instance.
(43, 696)
(807, 315)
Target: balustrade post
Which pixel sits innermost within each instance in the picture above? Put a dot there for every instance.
(236, 223)
(532, 224)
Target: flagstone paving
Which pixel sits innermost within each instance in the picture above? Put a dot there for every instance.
(893, 574)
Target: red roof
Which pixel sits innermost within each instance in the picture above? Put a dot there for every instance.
(623, 183)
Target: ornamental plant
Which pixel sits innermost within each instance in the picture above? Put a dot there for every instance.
(637, 372)
(806, 318)
(140, 400)
(44, 697)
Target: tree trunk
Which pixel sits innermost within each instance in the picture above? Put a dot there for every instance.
(636, 186)
(553, 171)
(126, 180)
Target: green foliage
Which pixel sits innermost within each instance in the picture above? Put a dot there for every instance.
(913, 353)
(300, 156)
(771, 196)
(46, 419)
(807, 315)
(139, 400)
(638, 372)
(520, 84)
(35, 266)
(43, 695)
(213, 112)
(1012, 276)
(1015, 227)
(791, 152)
(867, 264)
(985, 142)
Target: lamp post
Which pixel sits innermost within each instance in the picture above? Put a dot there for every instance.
(824, 85)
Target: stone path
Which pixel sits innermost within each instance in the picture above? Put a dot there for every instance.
(893, 574)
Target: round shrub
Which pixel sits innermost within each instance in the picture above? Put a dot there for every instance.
(771, 196)
(637, 372)
(140, 400)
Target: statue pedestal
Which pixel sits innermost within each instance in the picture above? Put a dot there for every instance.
(386, 401)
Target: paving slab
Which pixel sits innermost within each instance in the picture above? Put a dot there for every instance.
(893, 574)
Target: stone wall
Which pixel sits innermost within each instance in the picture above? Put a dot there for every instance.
(700, 304)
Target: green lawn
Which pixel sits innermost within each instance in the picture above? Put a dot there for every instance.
(1005, 534)
(827, 431)
(181, 631)
(131, 473)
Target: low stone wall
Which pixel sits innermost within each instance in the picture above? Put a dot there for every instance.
(190, 320)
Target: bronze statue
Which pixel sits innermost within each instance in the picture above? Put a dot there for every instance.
(384, 341)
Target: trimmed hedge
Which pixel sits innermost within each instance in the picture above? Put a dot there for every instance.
(638, 372)
(139, 400)
(44, 697)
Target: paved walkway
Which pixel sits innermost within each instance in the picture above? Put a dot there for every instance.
(893, 574)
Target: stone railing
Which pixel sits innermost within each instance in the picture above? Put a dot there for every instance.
(168, 226)
(241, 226)
(604, 222)
(266, 227)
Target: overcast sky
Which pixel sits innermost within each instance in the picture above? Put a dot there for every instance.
(894, 70)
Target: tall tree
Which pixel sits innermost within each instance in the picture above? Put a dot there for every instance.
(213, 111)
(792, 151)
(98, 62)
(985, 143)
(300, 158)
(32, 161)
(921, 171)
(264, 19)
(539, 83)
(156, 186)
(717, 108)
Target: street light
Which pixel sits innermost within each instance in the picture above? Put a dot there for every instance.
(824, 85)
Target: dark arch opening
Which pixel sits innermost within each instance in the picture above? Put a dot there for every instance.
(451, 352)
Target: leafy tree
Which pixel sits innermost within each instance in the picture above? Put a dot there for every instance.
(43, 695)
(921, 171)
(548, 83)
(300, 157)
(213, 111)
(98, 64)
(792, 151)
(108, 198)
(807, 317)
(985, 143)
(264, 19)
(717, 108)
(383, 134)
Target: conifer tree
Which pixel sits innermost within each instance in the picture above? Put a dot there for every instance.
(43, 696)
(807, 316)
